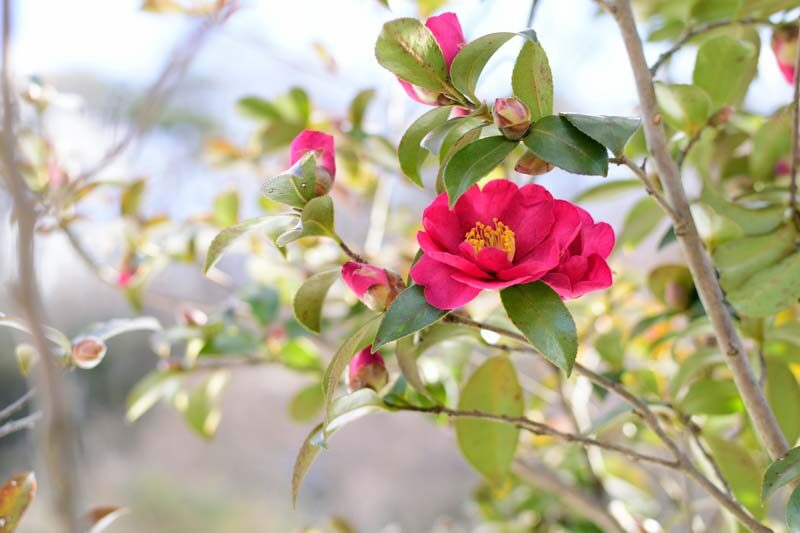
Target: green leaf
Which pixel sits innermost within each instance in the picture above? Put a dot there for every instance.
(407, 49)
(409, 312)
(724, 68)
(609, 348)
(410, 152)
(557, 141)
(201, 406)
(783, 394)
(301, 354)
(770, 290)
(155, 386)
(264, 304)
(771, 143)
(296, 186)
(358, 108)
(315, 221)
(307, 403)
(310, 297)
(641, 220)
(793, 511)
(226, 238)
(739, 467)
(308, 452)
(753, 221)
(684, 107)
(711, 397)
(258, 108)
(472, 162)
(449, 150)
(226, 209)
(406, 354)
(131, 199)
(16, 494)
(612, 132)
(780, 473)
(532, 81)
(692, 365)
(489, 446)
(739, 259)
(355, 343)
(472, 58)
(53, 335)
(545, 321)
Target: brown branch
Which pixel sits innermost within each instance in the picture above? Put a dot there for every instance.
(16, 405)
(649, 186)
(349, 252)
(59, 432)
(795, 147)
(698, 261)
(26, 422)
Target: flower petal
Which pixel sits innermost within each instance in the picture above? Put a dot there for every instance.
(419, 94)
(538, 261)
(433, 251)
(316, 141)
(493, 260)
(442, 290)
(443, 225)
(446, 29)
(567, 223)
(499, 199)
(359, 277)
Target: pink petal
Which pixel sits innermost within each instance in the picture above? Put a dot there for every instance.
(443, 225)
(567, 223)
(316, 141)
(536, 218)
(419, 94)
(538, 261)
(432, 250)
(446, 29)
(360, 277)
(499, 199)
(493, 260)
(441, 289)
(490, 284)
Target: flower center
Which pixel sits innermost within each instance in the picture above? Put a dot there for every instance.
(496, 236)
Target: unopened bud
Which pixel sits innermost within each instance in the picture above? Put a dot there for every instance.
(374, 286)
(87, 352)
(533, 165)
(784, 46)
(512, 118)
(367, 370)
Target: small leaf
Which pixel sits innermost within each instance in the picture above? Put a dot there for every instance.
(301, 354)
(770, 290)
(201, 408)
(557, 141)
(16, 494)
(409, 312)
(226, 238)
(783, 394)
(410, 152)
(406, 354)
(642, 219)
(407, 49)
(793, 511)
(771, 143)
(692, 365)
(724, 68)
(316, 221)
(152, 388)
(226, 209)
(296, 186)
(780, 473)
(307, 403)
(738, 260)
(131, 199)
(308, 452)
(542, 317)
(684, 107)
(310, 297)
(472, 58)
(258, 108)
(612, 132)
(532, 81)
(358, 108)
(472, 162)
(264, 304)
(490, 446)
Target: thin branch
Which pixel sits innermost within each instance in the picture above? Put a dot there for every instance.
(696, 433)
(59, 432)
(26, 422)
(532, 13)
(694, 31)
(697, 258)
(795, 147)
(649, 186)
(16, 405)
(350, 253)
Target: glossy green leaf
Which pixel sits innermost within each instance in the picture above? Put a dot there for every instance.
(783, 394)
(307, 403)
(780, 473)
(643, 218)
(714, 228)
(449, 150)
(612, 132)
(489, 446)
(545, 321)
(472, 58)
(229, 235)
(225, 210)
(296, 186)
(410, 152)
(684, 107)
(407, 49)
(771, 143)
(315, 221)
(557, 141)
(155, 386)
(793, 511)
(711, 397)
(740, 259)
(473, 162)
(409, 313)
(258, 108)
(752, 221)
(610, 349)
(310, 297)
(16, 494)
(770, 290)
(724, 68)
(532, 80)
(201, 406)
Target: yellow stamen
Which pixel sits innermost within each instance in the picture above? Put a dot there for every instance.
(500, 236)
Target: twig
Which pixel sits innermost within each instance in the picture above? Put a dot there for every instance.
(649, 186)
(532, 13)
(705, 278)
(699, 30)
(350, 253)
(795, 147)
(26, 422)
(16, 405)
(59, 433)
(695, 431)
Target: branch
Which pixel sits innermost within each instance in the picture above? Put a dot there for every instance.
(26, 422)
(649, 186)
(698, 261)
(59, 432)
(795, 147)
(16, 405)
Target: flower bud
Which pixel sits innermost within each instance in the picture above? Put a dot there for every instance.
(374, 286)
(192, 317)
(533, 165)
(87, 352)
(367, 370)
(512, 118)
(321, 145)
(784, 46)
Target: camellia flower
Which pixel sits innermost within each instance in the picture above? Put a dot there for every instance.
(784, 45)
(321, 144)
(495, 237)
(367, 370)
(583, 266)
(446, 29)
(87, 352)
(370, 283)
(512, 118)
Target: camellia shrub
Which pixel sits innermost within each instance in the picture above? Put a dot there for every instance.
(587, 396)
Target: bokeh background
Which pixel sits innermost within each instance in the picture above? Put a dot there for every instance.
(381, 474)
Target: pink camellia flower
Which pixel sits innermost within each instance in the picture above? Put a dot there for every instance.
(784, 45)
(495, 237)
(321, 144)
(446, 29)
(367, 370)
(370, 283)
(583, 266)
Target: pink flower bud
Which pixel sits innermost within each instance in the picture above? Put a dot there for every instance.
(367, 370)
(87, 352)
(125, 277)
(512, 118)
(784, 46)
(533, 165)
(374, 286)
(321, 144)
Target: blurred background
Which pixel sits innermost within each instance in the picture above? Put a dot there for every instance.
(380, 475)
